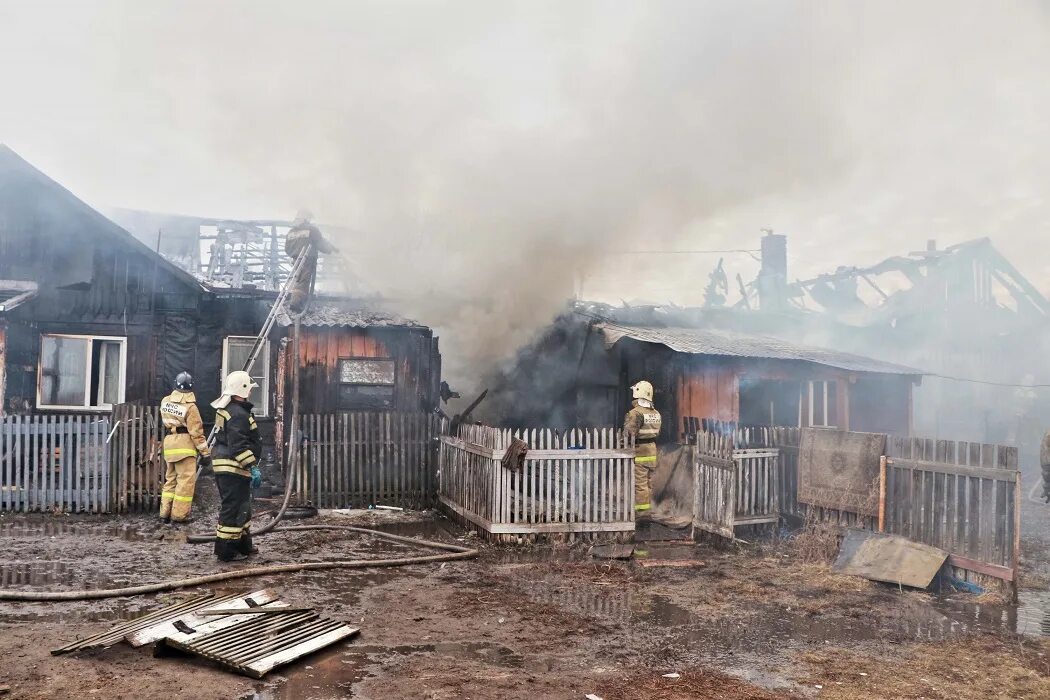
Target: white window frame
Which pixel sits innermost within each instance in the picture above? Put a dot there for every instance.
(264, 358)
(86, 406)
(809, 398)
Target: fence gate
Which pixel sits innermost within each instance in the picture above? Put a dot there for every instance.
(54, 463)
(364, 458)
(714, 487)
(135, 457)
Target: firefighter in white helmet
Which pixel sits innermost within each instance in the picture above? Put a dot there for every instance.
(304, 235)
(643, 422)
(235, 461)
(184, 441)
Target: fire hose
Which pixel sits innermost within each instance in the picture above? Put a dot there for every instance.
(455, 552)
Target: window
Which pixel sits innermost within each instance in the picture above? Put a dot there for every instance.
(235, 352)
(818, 405)
(81, 371)
(366, 384)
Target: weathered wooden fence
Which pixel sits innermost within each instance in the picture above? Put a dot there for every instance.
(54, 463)
(962, 497)
(736, 483)
(573, 483)
(368, 458)
(135, 459)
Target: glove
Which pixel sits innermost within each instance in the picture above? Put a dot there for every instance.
(256, 478)
(204, 464)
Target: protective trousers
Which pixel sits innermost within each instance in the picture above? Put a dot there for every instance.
(302, 284)
(176, 498)
(644, 464)
(233, 535)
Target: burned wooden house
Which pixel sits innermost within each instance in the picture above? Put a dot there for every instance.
(579, 372)
(91, 317)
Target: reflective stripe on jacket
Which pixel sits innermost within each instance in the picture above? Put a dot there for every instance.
(238, 446)
(183, 428)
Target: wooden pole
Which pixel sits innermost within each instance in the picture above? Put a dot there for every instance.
(882, 493)
(1017, 536)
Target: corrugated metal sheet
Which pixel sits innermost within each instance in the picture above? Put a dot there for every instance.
(156, 618)
(709, 341)
(335, 316)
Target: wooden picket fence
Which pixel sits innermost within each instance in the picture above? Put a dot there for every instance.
(135, 458)
(735, 483)
(576, 483)
(54, 463)
(361, 459)
(962, 497)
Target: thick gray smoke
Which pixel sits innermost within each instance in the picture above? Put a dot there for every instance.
(495, 155)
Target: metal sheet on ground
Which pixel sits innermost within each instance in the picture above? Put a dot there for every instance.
(256, 646)
(840, 469)
(888, 558)
(165, 625)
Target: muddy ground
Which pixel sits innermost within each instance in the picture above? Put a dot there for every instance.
(528, 622)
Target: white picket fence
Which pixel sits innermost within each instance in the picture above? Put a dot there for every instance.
(575, 482)
(55, 463)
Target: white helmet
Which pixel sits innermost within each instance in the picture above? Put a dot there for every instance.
(642, 390)
(302, 217)
(237, 384)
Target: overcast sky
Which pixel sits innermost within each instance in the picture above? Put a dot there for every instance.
(504, 149)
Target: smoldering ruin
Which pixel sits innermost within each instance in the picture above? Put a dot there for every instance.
(515, 350)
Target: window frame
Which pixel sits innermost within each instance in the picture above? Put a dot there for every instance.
(808, 397)
(392, 385)
(264, 358)
(86, 406)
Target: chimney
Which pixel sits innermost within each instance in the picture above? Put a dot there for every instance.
(772, 279)
(931, 245)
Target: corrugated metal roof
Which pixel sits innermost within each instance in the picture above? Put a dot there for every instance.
(709, 341)
(335, 316)
(15, 292)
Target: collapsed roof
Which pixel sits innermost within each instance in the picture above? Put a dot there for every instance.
(724, 343)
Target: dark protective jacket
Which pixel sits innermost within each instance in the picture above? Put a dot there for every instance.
(298, 238)
(238, 446)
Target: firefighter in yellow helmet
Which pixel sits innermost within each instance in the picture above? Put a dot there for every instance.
(184, 441)
(237, 450)
(304, 235)
(643, 422)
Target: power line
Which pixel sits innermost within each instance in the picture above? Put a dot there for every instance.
(981, 381)
(680, 252)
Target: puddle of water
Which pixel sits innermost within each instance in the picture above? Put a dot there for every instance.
(128, 533)
(333, 673)
(47, 573)
(1031, 616)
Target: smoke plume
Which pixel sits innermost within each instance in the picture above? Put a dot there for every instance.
(494, 157)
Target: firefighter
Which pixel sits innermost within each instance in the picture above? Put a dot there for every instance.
(184, 442)
(304, 236)
(1044, 462)
(235, 462)
(643, 422)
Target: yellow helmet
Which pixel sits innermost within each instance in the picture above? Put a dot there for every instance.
(642, 390)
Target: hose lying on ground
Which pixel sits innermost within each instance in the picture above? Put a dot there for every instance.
(455, 552)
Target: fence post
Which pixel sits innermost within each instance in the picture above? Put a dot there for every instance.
(882, 493)
(1017, 537)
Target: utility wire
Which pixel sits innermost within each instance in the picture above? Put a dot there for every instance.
(679, 252)
(981, 381)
